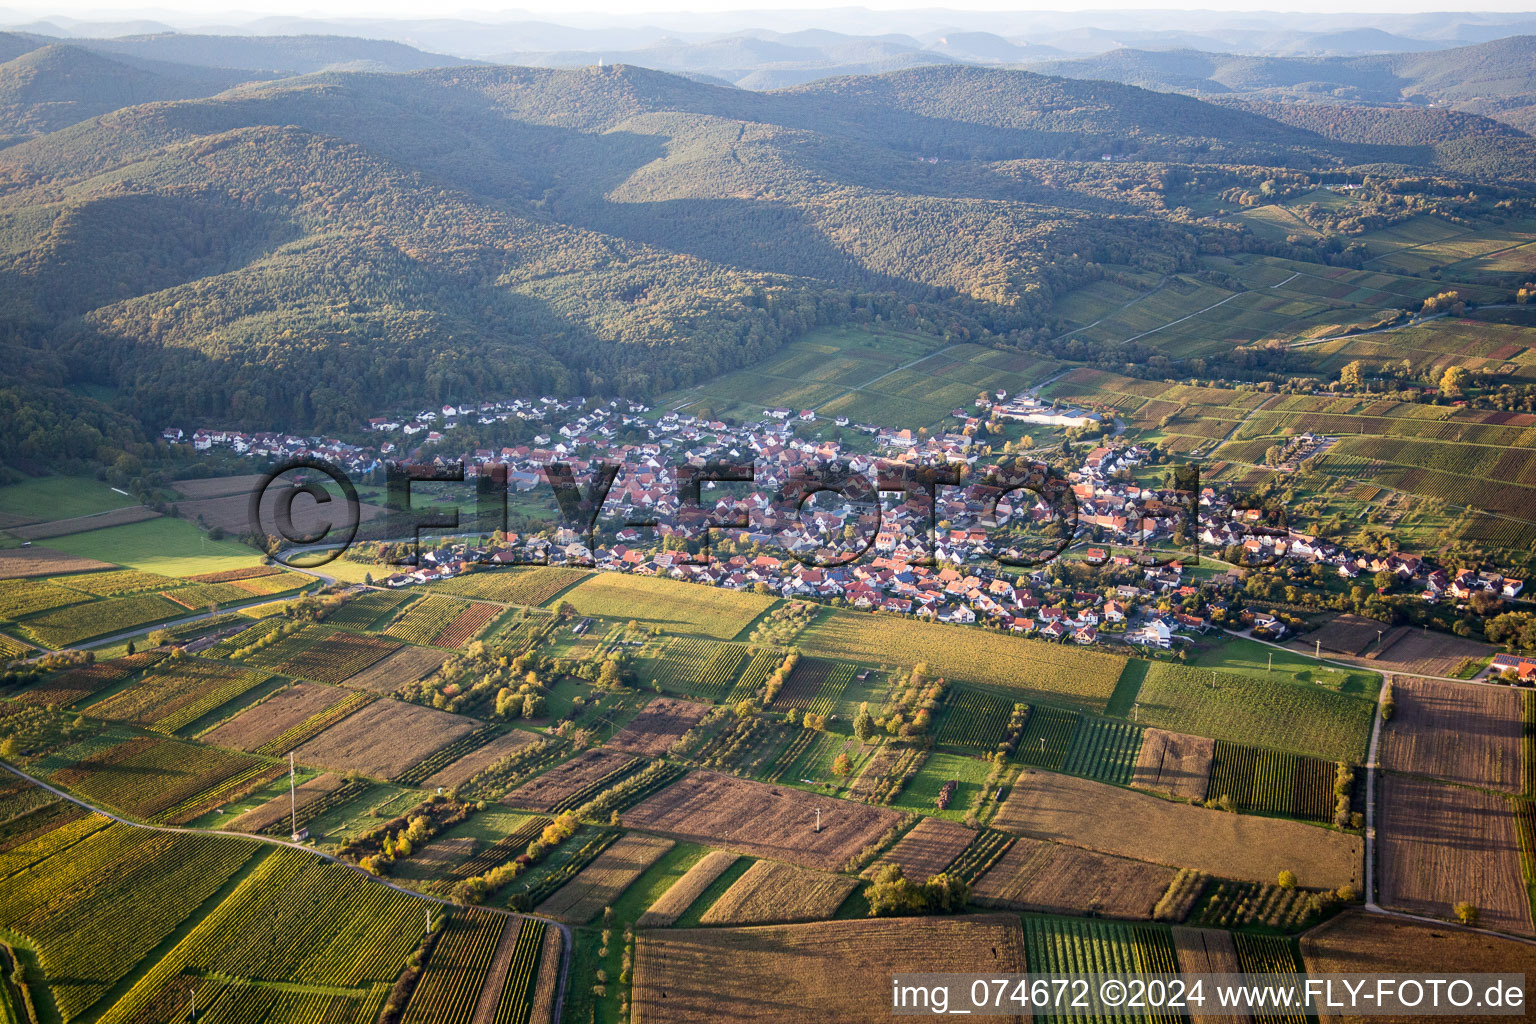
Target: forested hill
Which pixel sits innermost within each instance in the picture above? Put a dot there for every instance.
(308, 251)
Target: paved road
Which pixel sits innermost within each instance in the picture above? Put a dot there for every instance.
(565, 931)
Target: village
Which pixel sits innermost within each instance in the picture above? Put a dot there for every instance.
(977, 553)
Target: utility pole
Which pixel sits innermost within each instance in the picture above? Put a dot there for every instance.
(818, 819)
(1271, 662)
(429, 919)
(1317, 652)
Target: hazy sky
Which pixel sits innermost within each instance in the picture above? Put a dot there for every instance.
(181, 10)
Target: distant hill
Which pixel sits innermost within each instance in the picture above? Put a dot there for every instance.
(279, 55)
(1496, 78)
(55, 86)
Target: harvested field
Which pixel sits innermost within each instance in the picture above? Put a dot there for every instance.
(1459, 732)
(762, 820)
(680, 896)
(16, 563)
(601, 882)
(274, 716)
(278, 808)
(931, 846)
(406, 665)
(462, 770)
(658, 725)
(1208, 951)
(774, 893)
(1360, 943)
(1441, 845)
(384, 738)
(1347, 634)
(1406, 649)
(546, 986)
(218, 486)
(1049, 877)
(543, 792)
(231, 511)
(810, 973)
(1090, 814)
(80, 524)
(1174, 763)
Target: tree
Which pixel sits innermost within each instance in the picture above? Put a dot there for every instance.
(842, 765)
(1466, 913)
(534, 706)
(130, 647)
(1455, 380)
(1352, 376)
(864, 724)
(10, 748)
(1287, 879)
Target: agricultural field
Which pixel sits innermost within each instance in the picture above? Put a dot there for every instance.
(658, 725)
(601, 882)
(319, 926)
(573, 780)
(279, 808)
(461, 769)
(22, 597)
(1456, 732)
(1442, 845)
(775, 893)
(1063, 945)
(75, 684)
(1104, 749)
(1090, 814)
(149, 778)
(1047, 737)
(832, 970)
(815, 685)
(707, 669)
(927, 849)
(96, 907)
(974, 719)
(1013, 664)
(1206, 951)
(1049, 877)
(878, 375)
(458, 968)
(1356, 942)
(284, 720)
(21, 563)
(406, 665)
(668, 605)
(1272, 782)
(175, 693)
(432, 619)
(1303, 719)
(168, 546)
(761, 820)
(372, 609)
(79, 623)
(1174, 764)
(681, 894)
(336, 657)
(383, 739)
(529, 586)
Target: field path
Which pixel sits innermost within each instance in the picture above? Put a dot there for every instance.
(565, 931)
(496, 977)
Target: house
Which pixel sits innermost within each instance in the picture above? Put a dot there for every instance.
(1154, 632)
